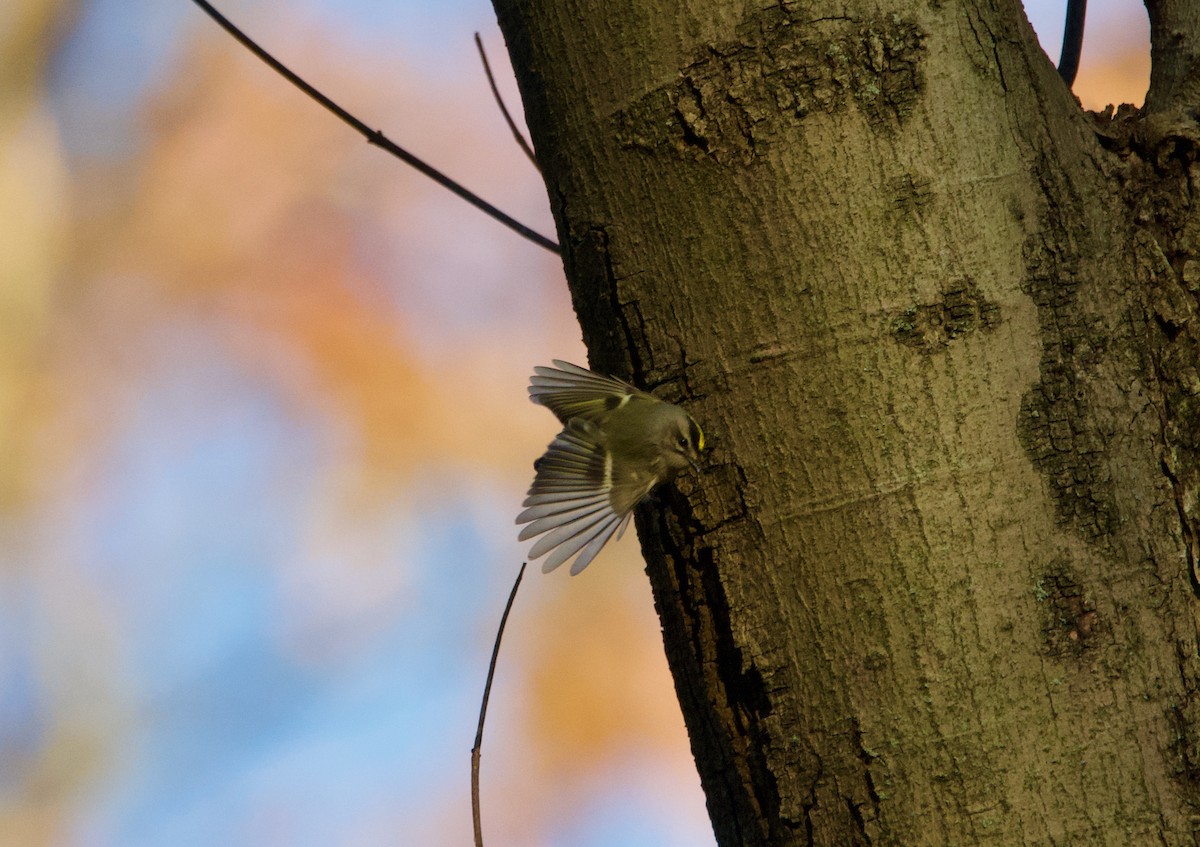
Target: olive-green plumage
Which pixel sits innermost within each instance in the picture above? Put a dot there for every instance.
(618, 444)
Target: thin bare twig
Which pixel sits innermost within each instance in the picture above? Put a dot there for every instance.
(487, 69)
(487, 692)
(374, 136)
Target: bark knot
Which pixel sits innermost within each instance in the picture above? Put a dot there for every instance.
(961, 309)
(1070, 619)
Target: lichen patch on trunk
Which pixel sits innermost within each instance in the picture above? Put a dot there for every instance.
(732, 98)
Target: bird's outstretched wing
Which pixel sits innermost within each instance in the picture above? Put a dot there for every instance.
(571, 499)
(574, 392)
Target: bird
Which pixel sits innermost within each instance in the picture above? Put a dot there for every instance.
(618, 444)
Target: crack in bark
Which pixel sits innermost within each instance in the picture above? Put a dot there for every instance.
(712, 661)
(992, 67)
(1160, 155)
(613, 329)
(1189, 534)
(855, 807)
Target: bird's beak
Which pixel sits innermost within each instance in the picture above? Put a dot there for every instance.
(695, 465)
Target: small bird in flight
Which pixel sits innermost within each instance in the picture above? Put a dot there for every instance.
(618, 444)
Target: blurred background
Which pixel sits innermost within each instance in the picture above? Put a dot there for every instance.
(264, 432)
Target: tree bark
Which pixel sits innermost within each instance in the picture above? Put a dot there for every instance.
(936, 582)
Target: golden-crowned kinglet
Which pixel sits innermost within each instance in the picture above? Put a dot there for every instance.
(617, 445)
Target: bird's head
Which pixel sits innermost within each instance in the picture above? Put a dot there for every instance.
(680, 440)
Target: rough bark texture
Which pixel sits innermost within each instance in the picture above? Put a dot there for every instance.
(936, 583)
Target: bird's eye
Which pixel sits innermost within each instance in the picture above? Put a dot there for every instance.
(683, 442)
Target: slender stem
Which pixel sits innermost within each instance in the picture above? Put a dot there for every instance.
(512, 126)
(487, 692)
(1068, 63)
(374, 136)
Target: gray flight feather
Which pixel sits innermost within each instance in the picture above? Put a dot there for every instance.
(617, 444)
(572, 392)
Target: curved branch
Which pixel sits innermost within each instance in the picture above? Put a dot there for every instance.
(487, 693)
(1068, 63)
(512, 125)
(374, 136)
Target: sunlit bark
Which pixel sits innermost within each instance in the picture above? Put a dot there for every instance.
(935, 584)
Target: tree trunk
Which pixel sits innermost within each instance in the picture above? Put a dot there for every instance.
(934, 585)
